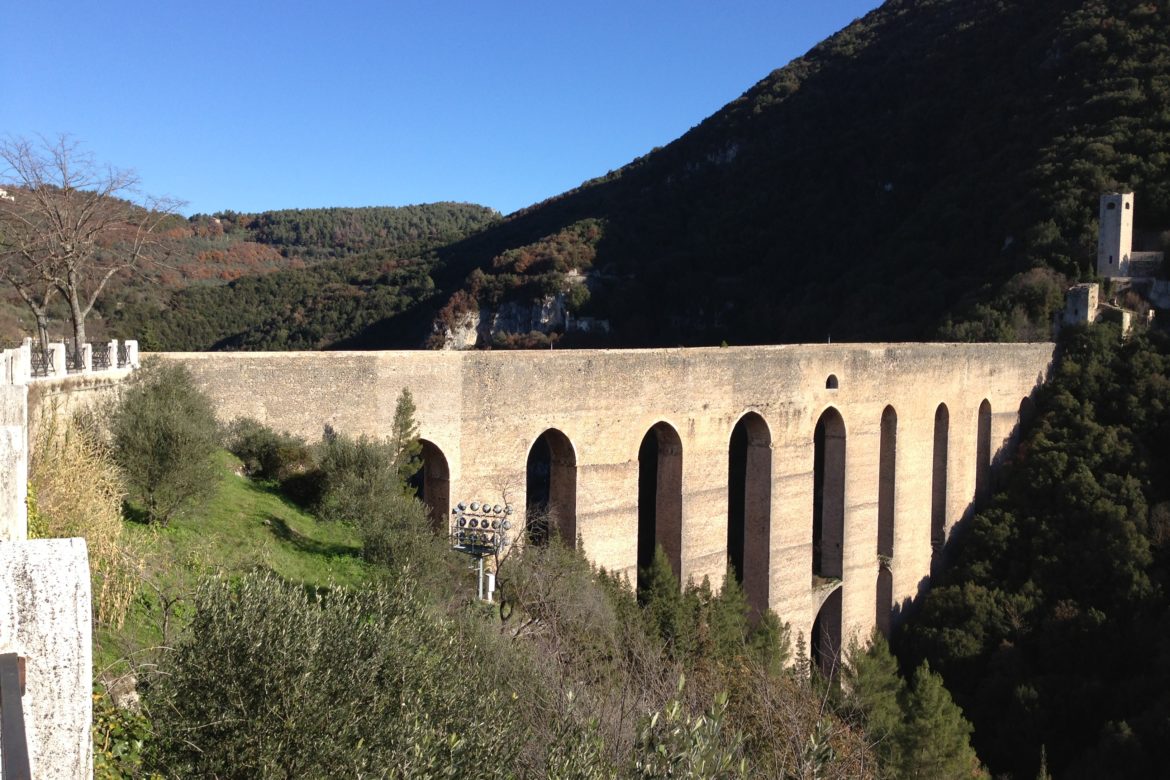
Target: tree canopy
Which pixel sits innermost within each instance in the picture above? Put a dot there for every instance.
(1050, 628)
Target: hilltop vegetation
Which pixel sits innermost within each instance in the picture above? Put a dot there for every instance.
(337, 232)
(331, 273)
(930, 171)
(305, 308)
(330, 261)
(227, 245)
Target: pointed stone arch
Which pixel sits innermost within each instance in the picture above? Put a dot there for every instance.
(829, 495)
(887, 476)
(432, 485)
(749, 505)
(825, 644)
(551, 489)
(983, 453)
(659, 498)
(887, 492)
(1027, 410)
(884, 607)
(938, 480)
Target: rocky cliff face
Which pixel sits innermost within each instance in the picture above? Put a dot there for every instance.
(546, 316)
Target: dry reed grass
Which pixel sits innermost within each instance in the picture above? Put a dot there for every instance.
(78, 491)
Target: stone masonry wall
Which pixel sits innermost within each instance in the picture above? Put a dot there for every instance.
(484, 410)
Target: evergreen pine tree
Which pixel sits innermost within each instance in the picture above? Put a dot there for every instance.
(694, 643)
(802, 664)
(663, 602)
(728, 620)
(769, 645)
(404, 438)
(876, 691)
(1043, 773)
(936, 738)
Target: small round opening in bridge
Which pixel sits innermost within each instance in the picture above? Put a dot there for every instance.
(831, 382)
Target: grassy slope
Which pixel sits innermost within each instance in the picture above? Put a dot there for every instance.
(245, 527)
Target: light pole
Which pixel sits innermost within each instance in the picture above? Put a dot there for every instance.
(481, 529)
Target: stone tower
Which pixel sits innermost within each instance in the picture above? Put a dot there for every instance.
(1115, 235)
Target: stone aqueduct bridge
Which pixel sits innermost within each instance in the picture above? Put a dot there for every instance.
(828, 474)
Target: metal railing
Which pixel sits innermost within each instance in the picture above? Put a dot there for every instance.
(39, 358)
(13, 739)
(58, 360)
(101, 356)
(73, 361)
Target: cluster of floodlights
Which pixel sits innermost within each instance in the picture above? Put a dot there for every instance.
(481, 528)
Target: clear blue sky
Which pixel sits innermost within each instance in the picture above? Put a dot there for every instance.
(257, 104)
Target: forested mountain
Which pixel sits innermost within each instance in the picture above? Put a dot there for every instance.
(188, 299)
(185, 298)
(930, 171)
(904, 170)
(338, 232)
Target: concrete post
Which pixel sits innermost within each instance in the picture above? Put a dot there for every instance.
(13, 463)
(45, 618)
(57, 358)
(113, 353)
(132, 352)
(22, 375)
(87, 358)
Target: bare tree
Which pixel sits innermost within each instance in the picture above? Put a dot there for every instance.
(68, 225)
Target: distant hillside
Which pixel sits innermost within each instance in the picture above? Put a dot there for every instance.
(338, 232)
(930, 171)
(187, 302)
(905, 170)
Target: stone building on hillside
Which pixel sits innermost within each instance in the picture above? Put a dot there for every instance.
(1116, 256)
(1083, 306)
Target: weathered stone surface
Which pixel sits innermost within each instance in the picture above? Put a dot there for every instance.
(66, 395)
(45, 617)
(13, 462)
(484, 410)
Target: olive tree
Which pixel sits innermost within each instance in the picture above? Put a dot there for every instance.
(272, 680)
(165, 434)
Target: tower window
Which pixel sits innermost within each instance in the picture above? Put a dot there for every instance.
(1110, 206)
(831, 382)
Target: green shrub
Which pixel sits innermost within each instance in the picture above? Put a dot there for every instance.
(357, 476)
(675, 743)
(397, 534)
(274, 681)
(121, 737)
(164, 434)
(266, 453)
(358, 481)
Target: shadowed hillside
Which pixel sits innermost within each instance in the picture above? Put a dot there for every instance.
(930, 171)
